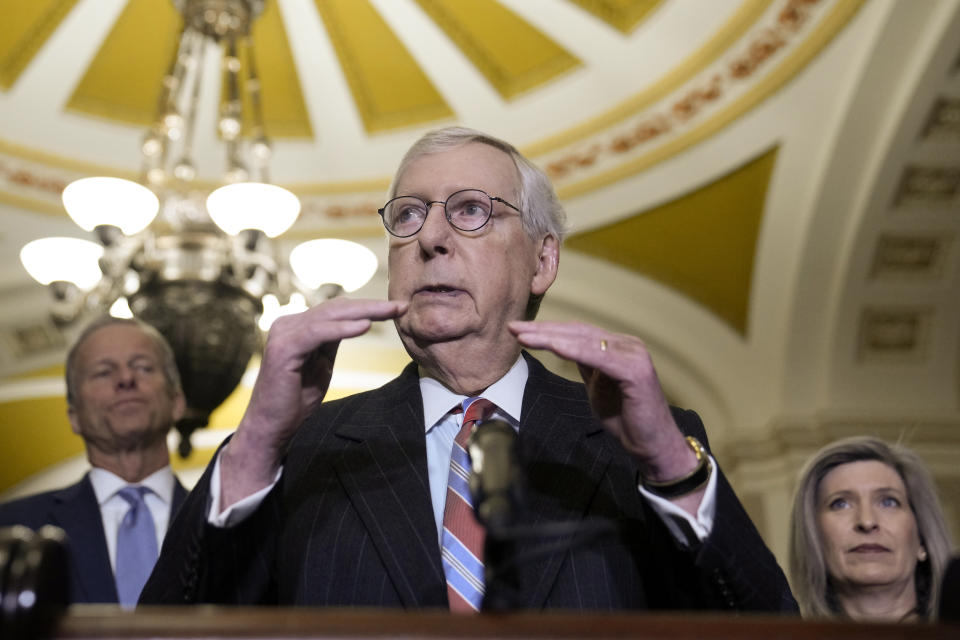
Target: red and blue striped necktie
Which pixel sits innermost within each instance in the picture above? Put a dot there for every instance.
(463, 536)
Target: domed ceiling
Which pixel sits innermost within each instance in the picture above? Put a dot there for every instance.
(596, 92)
(766, 191)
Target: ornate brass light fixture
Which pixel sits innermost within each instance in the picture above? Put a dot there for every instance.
(199, 266)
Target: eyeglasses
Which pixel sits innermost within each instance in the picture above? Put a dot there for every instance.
(466, 210)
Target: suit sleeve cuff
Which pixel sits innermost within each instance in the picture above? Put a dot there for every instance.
(688, 530)
(238, 511)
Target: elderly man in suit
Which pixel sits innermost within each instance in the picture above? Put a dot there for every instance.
(347, 502)
(123, 395)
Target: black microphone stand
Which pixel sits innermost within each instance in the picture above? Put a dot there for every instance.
(497, 488)
(495, 484)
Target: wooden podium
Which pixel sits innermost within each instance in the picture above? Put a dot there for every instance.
(89, 622)
(33, 591)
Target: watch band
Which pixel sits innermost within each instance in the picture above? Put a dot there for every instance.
(688, 483)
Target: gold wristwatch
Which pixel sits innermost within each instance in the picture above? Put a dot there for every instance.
(688, 483)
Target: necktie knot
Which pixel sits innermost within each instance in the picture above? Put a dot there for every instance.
(133, 495)
(475, 410)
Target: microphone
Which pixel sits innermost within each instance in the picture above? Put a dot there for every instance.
(34, 581)
(495, 480)
(495, 487)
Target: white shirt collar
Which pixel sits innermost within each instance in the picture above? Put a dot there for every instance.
(106, 484)
(506, 393)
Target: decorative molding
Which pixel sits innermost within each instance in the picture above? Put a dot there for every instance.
(658, 242)
(685, 120)
(321, 214)
(901, 256)
(943, 122)
(686, 71)
(27, 340)
(804, 434)
(763, 45)
(20, 390)
(703, 94)
(896, 334)
(927, 185)
(622, 16)
(35, 185)
(352, 26)
(32, 25)
(487, 33)
(138, 48)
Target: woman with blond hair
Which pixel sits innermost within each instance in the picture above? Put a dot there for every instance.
(868, 538)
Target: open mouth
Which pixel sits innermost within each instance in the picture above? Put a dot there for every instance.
(438, 288)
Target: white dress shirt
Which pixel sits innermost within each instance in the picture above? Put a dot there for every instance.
(441, 428)
(113, 508)
(507, 393)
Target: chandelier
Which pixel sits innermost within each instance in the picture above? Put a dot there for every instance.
(200, 266)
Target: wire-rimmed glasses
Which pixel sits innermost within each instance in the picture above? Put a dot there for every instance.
(466, 210)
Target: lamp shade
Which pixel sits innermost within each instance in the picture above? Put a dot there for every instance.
(253, 205)
(114, 201)
(63, 259)
(331, 260)
(121, 308)
(272, 309)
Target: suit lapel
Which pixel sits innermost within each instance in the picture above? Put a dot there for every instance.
(179, 495)
(565, 456)
(387, 436)
(562, 448)
(77, 512)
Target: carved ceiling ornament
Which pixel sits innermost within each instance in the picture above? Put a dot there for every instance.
(943, 123)
(929, 185)
(766, 56)
(909, 255)
(894, 333)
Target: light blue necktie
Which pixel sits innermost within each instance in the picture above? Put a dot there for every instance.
(136, 547)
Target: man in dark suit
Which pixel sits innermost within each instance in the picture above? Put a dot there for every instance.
(123, 395)
(347, 502)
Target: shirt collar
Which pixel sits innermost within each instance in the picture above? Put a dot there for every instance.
(506, 393)
(106, 483)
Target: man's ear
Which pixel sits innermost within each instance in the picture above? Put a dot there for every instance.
(74, 419)
(548, 261)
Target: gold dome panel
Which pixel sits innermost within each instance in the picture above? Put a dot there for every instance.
(622, 15)
(702, 244)
(23, 30)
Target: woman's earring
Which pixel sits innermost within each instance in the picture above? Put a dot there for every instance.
(922, 555)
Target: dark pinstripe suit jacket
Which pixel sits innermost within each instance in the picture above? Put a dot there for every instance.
(350, 522)
(75, 510)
